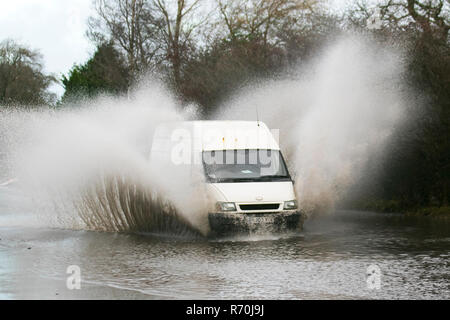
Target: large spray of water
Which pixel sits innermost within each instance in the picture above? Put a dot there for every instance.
(332, 115)
(88, 166)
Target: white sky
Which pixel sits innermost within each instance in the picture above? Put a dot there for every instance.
(57, 29)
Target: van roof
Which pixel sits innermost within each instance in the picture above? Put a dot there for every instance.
(210, 135)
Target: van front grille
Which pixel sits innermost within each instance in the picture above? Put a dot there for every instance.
(265, 206)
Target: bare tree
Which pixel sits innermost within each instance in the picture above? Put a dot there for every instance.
(22, 81)
(262, 19)
(130, 24)
(151, 32)
(431, 16)
(179, 19)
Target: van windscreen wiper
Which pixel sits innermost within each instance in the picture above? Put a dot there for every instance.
(236, 180)
(274, 177)
(253, 179)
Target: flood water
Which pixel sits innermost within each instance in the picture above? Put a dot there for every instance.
(329, 259)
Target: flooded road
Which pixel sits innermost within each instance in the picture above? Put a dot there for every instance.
(328, 260)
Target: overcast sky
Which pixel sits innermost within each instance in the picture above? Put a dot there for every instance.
(57, 28)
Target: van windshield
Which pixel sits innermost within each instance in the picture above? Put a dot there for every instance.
(248, 165)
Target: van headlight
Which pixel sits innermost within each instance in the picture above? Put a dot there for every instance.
(226, 206)
(290, 205)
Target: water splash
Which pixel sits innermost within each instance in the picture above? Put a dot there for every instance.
(92, 159)
(87, 166)
(333, 114)
(117, 204)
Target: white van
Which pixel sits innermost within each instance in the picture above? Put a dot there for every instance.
(245, 174)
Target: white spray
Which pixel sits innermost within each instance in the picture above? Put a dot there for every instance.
(332, 116)
(93, 157)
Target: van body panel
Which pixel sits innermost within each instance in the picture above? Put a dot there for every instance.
(215, 193)
(214, 135)
(256, 192)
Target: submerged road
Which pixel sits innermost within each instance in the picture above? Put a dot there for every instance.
(346, 255)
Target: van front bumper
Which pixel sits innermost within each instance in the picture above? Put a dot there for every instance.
(255, 223)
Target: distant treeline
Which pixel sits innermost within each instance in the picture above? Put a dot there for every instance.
(205, 49)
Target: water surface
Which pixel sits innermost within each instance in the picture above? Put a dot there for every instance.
(328, 260)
